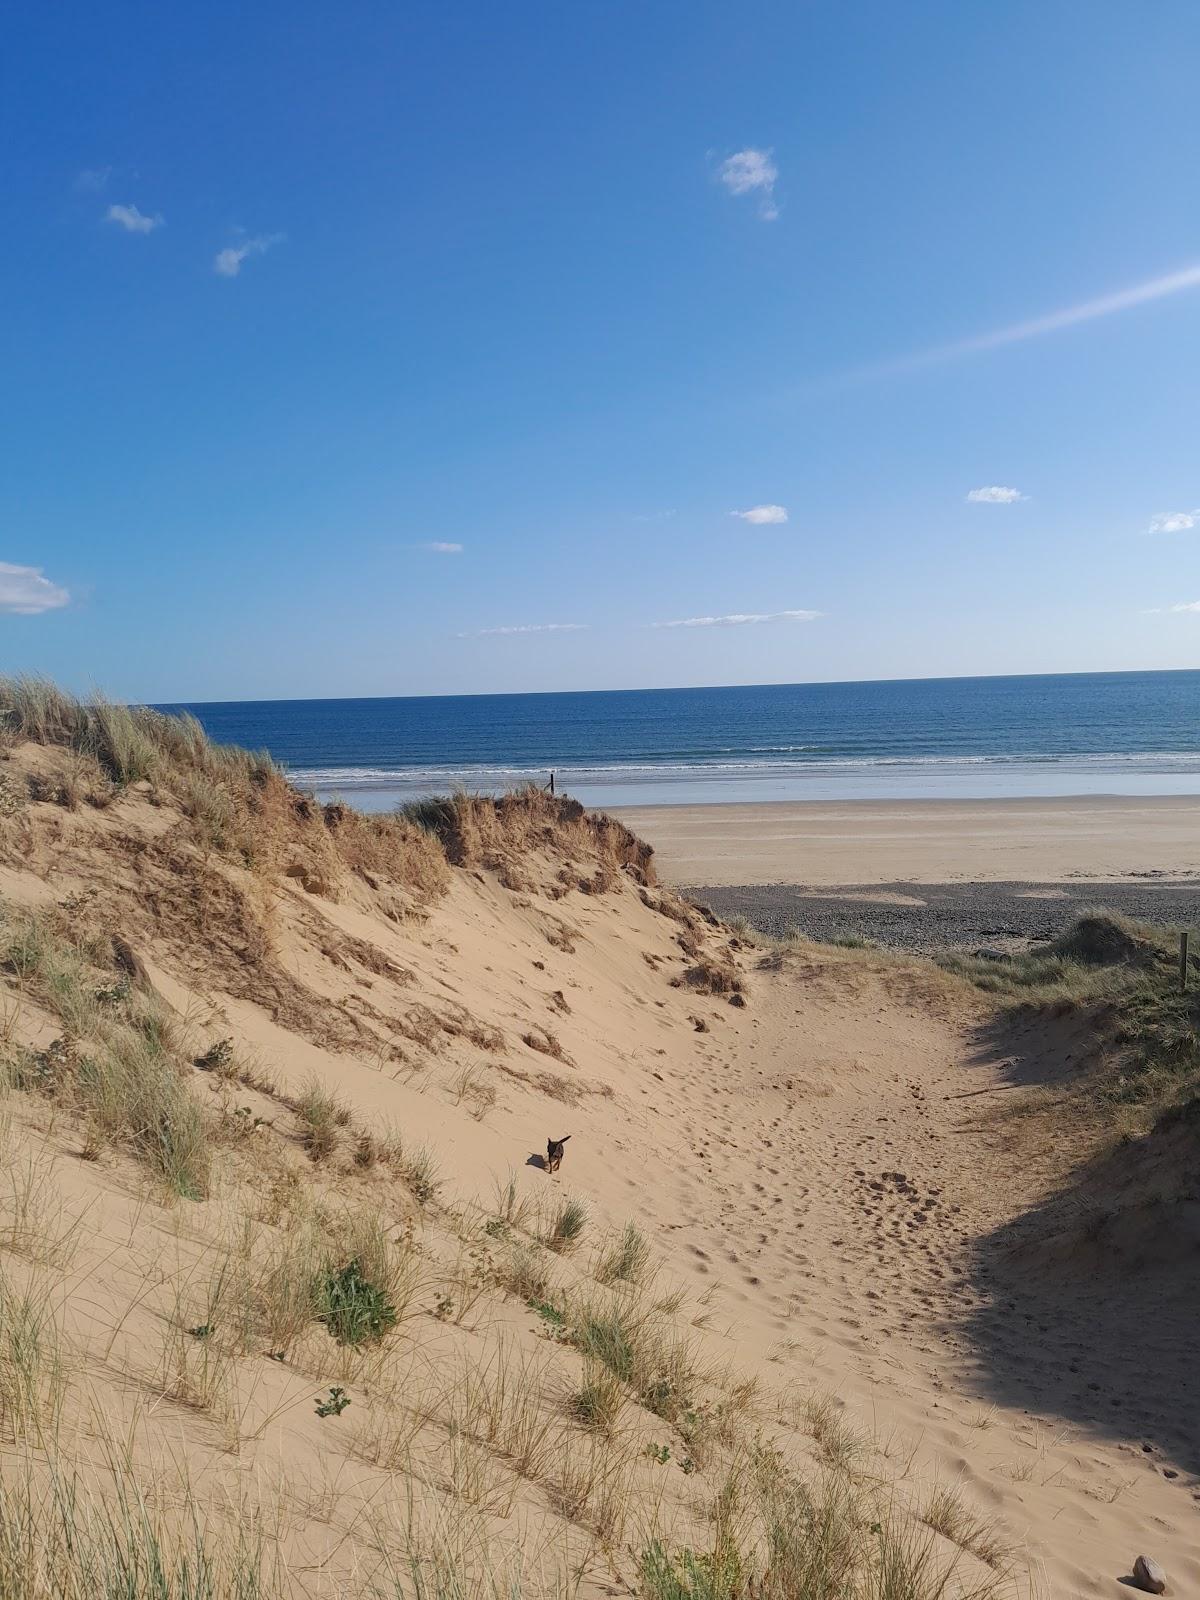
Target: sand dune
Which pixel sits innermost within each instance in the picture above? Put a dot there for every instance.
(841, 1211)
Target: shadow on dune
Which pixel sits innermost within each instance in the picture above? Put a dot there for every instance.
(1036, 1047)
(1092, 1299)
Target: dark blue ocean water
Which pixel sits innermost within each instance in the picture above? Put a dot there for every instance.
(1087, 733)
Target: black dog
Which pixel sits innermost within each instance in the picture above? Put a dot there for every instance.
(554, 1152)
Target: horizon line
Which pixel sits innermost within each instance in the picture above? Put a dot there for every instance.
(674, 688)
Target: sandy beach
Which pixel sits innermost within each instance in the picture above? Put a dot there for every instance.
(817, 844)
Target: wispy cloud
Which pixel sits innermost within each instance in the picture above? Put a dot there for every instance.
(441, 547)
(228, 262)
(1163, 611)
(93, 180)
(1173, 522)
(26, 591)
(133, 220)
(995, 494)
(739, 619)
(527, 627)
(752, 172)
(655, 516)
(1105, 305)
(760, 516)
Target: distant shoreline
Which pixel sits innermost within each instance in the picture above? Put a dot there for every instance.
(815, 844)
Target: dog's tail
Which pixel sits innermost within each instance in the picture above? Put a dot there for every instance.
(563, 1140)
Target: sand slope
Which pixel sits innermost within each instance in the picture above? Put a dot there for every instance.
(838, 1213)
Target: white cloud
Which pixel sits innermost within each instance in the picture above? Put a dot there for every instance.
(133, 220)
(760, 516)
(227, 263)
(93, 180)
(995, 494)
(1162, 611)
(752, 172)
(442, 548)
(527, 627)
(25, 592)
(738, 619)
(1173, 522)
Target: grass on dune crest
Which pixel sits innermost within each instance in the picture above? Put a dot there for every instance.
(482, 829)
(1125, 975)
(240, 803)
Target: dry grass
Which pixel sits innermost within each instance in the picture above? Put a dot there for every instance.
(65, 1537)
(485, 830)
(322, 1117)
(946, 1513)
(118, 1066)
(32, 1370)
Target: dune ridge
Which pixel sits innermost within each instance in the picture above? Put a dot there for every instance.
(288, 1306)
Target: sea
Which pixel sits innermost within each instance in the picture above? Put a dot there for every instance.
(1117, 733)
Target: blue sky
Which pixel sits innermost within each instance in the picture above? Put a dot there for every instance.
(295, 295)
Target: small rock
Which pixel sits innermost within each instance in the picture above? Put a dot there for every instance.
(1148, 1575)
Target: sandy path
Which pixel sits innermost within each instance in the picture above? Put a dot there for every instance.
(823, 1175)
(923, 841)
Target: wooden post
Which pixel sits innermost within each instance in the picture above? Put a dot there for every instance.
(1183, 959)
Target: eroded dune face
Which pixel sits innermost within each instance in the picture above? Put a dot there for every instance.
(287, 1289)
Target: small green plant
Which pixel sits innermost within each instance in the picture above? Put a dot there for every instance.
(444, 1307)
(496, 1228)
(659, 1452)
(113, 994)
(550, 1314)
(217, 1058)
(354, 1309)
(203, 1330)
(691, 1574)
(334, 1404)
(687, 1466)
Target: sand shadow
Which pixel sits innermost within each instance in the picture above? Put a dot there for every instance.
(536, 1160)
(1034, 1047)
(1090, 1300)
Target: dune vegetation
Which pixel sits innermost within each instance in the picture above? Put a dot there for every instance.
(287, 1304)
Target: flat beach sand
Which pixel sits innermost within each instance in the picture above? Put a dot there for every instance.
(820, 844)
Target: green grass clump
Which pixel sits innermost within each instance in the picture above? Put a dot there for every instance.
(627, 1259)
(566, 1225)
(354, 1309)
(1125, 975)
(598, 1401)
(609, 1341)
